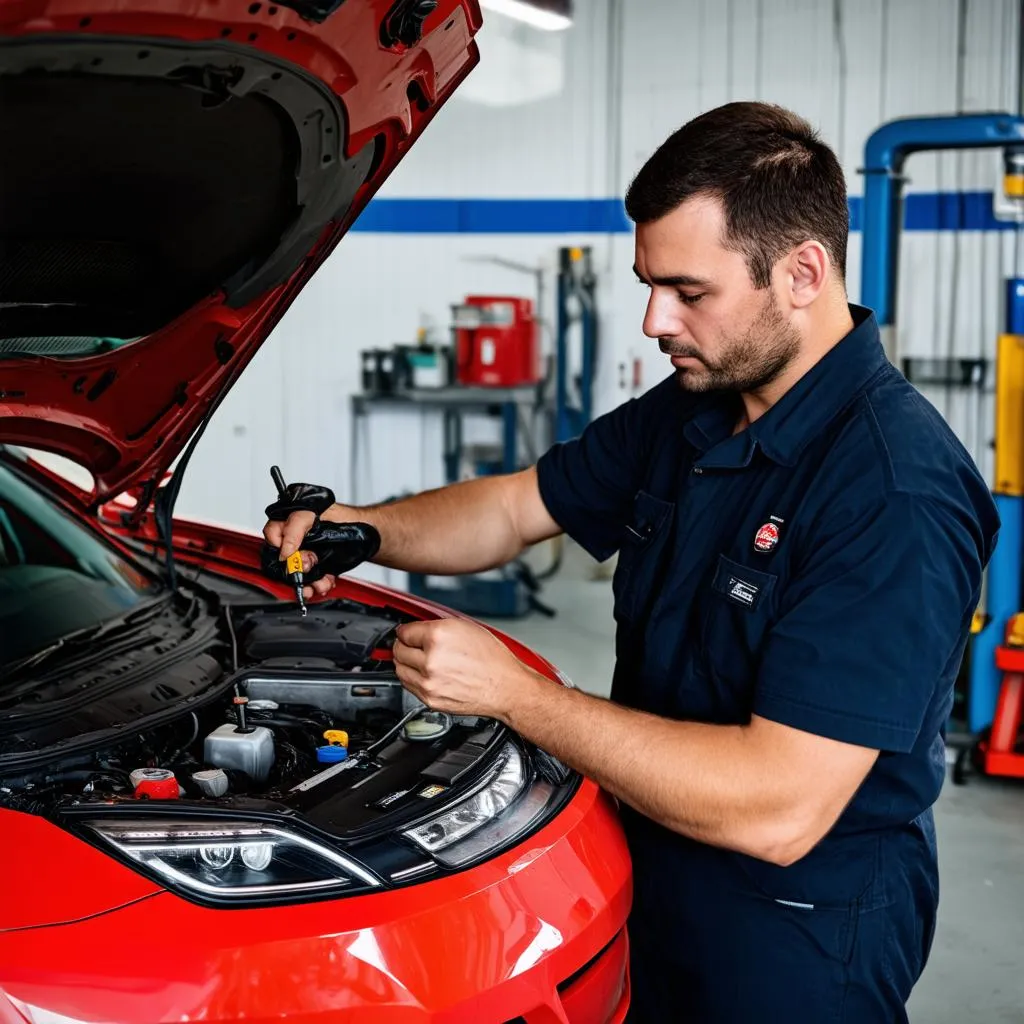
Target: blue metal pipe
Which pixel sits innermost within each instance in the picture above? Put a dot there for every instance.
(510, 437)
(587, 369)
(885, 153)
(563, 428)
(1015, 305)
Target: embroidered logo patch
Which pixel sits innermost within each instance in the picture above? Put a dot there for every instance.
(742, 591)
(766, 538)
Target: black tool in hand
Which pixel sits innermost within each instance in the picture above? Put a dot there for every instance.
(293, 563)
(278, 477)
(339, 547)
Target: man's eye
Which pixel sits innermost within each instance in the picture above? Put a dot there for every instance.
(690, 300)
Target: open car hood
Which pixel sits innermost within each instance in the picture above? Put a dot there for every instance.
(173, 174)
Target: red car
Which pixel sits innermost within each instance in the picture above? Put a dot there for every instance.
(212, 809)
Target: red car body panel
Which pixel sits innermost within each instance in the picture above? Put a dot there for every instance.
(126, 414)
(483, 946)
(38, 852)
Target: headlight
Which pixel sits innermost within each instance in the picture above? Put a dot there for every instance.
(232, 861)
(488, 818)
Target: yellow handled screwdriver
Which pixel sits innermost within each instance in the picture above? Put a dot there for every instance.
(293, 564)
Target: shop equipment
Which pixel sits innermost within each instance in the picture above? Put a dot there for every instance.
(497, 359)
(996, 656)
(497, 342)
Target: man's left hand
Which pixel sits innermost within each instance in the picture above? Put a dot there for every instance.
(457, 666)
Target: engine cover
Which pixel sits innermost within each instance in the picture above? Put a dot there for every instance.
(344, 636)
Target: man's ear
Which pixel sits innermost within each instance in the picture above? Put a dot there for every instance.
(807, 270)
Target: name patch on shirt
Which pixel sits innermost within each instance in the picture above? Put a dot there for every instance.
(742, 591)
(741, 584)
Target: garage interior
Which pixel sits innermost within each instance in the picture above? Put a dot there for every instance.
(484, 307)
(515, 191)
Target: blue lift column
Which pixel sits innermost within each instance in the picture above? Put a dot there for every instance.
(1003, 594)
(884, 156)
(576, 281)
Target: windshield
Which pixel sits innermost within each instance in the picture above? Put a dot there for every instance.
(56, 576)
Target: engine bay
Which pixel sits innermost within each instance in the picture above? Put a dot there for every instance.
(268, 706)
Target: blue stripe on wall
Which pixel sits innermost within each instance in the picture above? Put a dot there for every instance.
(495, 216)
(923, 211)
(941, 211)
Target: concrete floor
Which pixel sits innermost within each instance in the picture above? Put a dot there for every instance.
(976, 972)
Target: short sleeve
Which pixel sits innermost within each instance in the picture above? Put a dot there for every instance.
(871, 623)
(588, 484)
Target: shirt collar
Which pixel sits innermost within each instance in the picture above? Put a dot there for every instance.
(803, 411)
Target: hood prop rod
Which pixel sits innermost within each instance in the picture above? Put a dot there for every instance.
(167, 496)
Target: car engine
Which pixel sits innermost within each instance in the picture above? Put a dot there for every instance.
(281, 700)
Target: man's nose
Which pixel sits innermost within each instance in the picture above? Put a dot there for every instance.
(661, 320)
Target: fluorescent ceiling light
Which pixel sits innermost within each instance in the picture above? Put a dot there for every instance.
(549, 15)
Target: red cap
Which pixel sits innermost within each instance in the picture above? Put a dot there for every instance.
(158, 789)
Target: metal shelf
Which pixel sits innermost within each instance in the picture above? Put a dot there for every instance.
(454, 402)
(449, 397)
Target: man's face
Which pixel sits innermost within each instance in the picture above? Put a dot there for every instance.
(719, 330)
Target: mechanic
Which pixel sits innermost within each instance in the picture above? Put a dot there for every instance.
(801, 542)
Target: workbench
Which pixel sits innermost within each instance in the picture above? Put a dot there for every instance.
(455, 402)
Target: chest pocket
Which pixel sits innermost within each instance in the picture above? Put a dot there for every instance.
(641, 555)
(739, 608)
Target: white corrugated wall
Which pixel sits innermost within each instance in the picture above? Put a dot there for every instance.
(572, 116)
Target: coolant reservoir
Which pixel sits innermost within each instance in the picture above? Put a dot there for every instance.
(251, 751)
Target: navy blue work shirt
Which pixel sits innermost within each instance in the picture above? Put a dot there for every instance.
(819, 569)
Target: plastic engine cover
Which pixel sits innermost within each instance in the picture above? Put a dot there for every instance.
(342, 635)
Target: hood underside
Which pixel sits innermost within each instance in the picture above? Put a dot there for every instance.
(170, 181)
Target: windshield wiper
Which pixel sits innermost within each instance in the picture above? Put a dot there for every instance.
(135, 618)
(35, 659)
(122, 624)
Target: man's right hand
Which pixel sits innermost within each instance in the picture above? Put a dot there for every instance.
(336, 543)
(287, 536)
(289, 533)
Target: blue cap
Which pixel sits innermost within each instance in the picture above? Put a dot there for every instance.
(331, 754)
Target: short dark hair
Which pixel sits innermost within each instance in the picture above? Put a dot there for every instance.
(778, 183)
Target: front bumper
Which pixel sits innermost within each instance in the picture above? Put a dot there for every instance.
(535, 936)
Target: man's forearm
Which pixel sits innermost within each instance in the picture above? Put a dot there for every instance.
(465, 527)
(708, 782)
